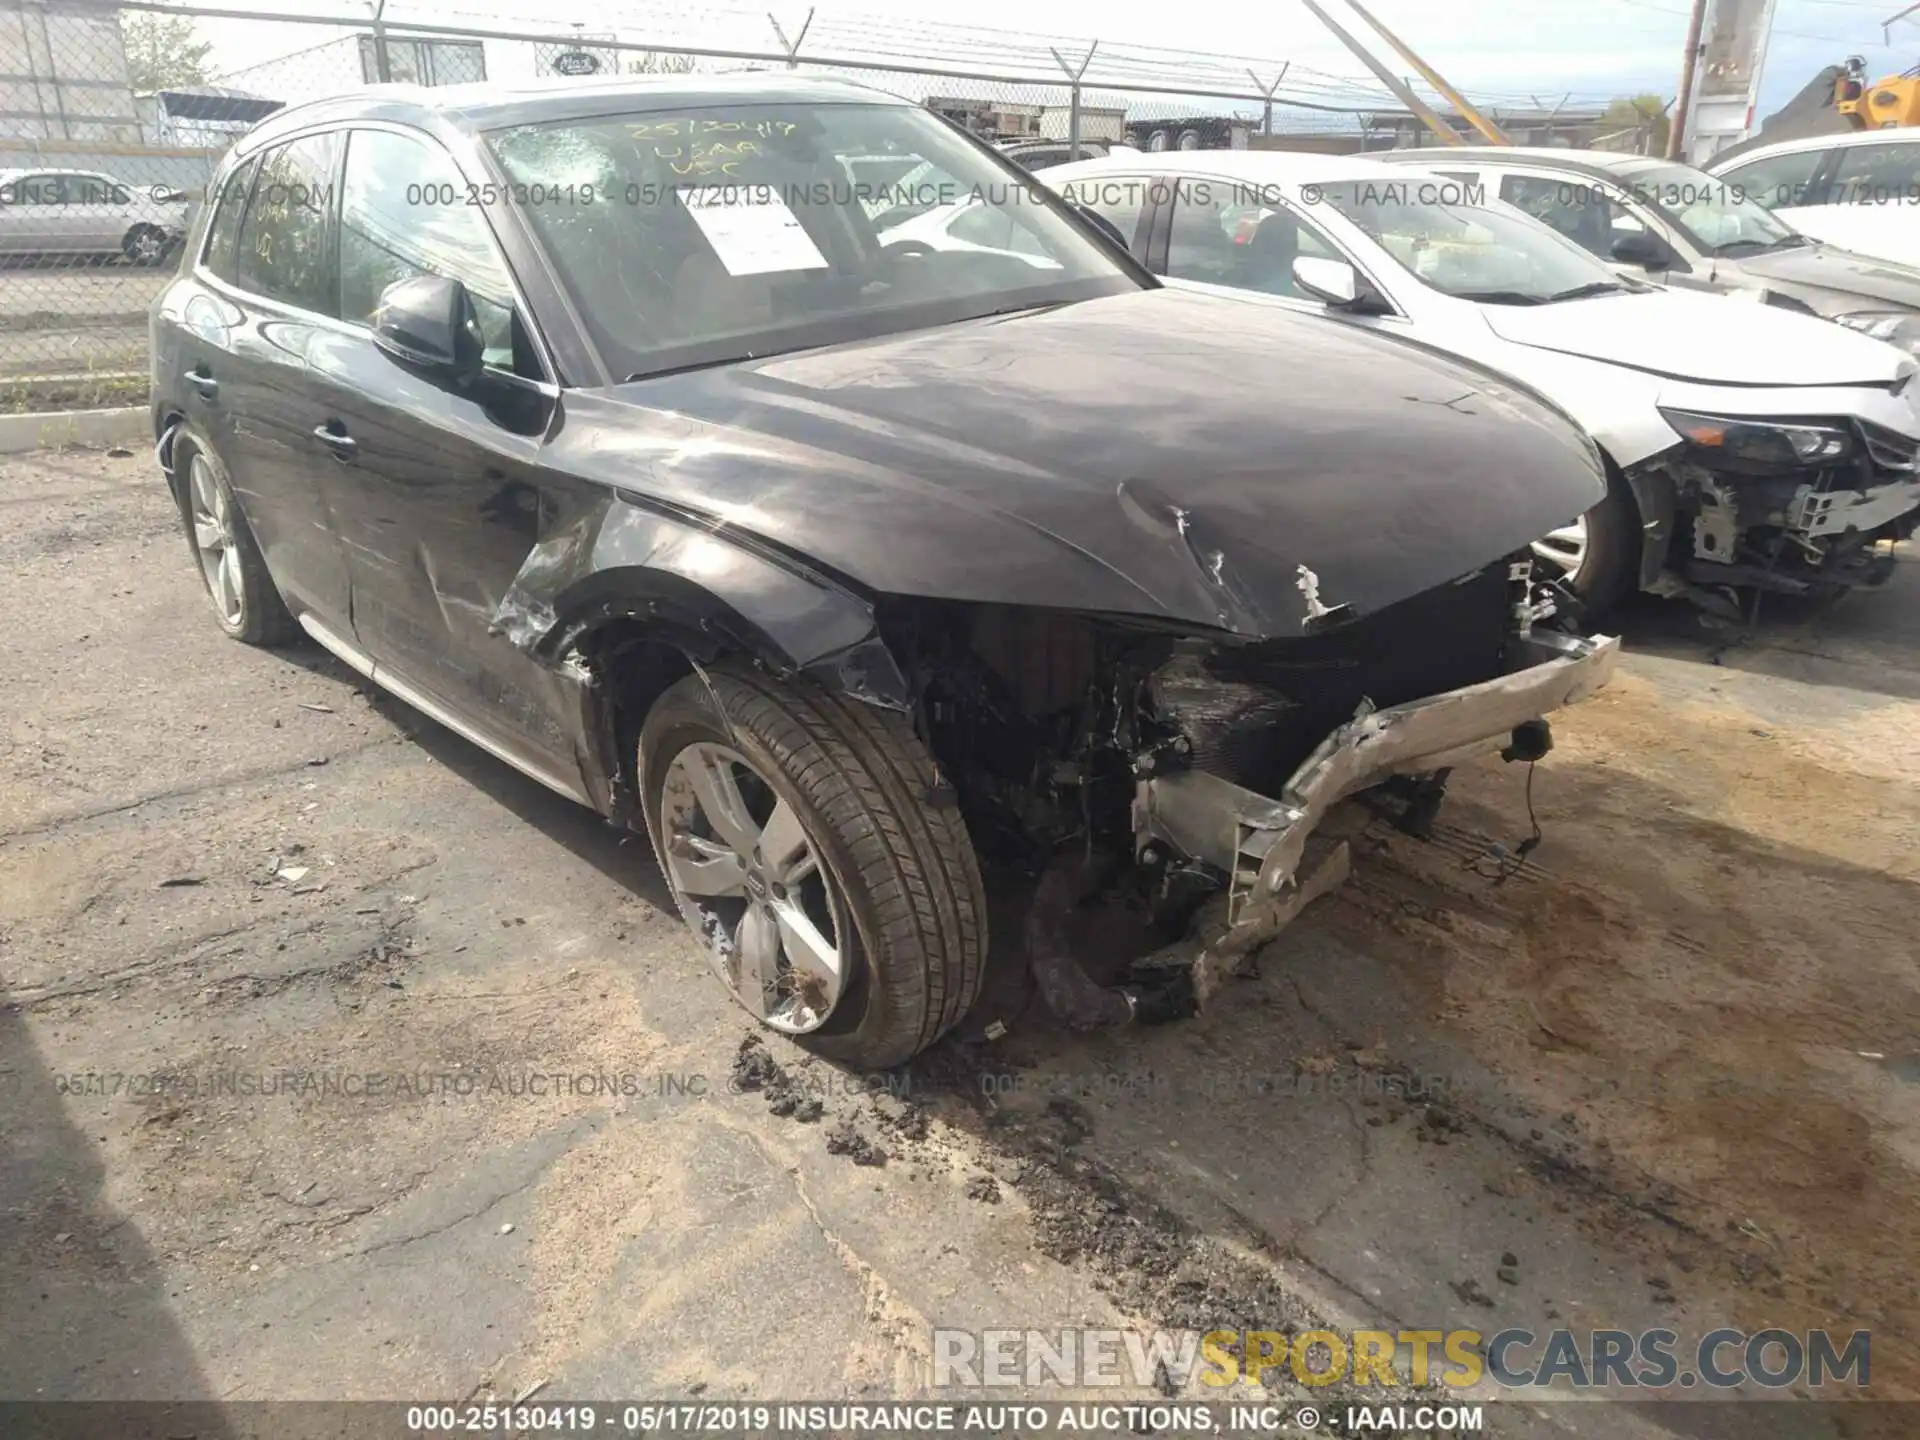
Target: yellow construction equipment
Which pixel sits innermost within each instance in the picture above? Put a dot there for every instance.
(1886, 104)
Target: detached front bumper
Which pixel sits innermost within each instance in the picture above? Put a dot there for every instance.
(1818, 514)
(1259, 840)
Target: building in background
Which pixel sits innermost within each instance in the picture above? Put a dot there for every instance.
(209, 116)
(1733, 52)
(1566, 128)
(63, 73)
(354, 60)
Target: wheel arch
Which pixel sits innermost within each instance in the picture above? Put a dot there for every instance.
(1655, 501)
(637, 599)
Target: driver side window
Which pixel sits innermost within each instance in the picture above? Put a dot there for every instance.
(1223, 234)
(404, 212)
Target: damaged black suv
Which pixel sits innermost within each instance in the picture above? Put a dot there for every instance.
(636, 433)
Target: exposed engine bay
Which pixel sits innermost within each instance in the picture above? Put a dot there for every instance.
(1742, 516)
(1190, 768)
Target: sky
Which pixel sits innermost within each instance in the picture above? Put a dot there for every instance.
(1502, 52)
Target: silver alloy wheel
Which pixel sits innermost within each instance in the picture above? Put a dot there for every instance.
(750, 883)
(213, 539)
(146, 246)
(1565, 549)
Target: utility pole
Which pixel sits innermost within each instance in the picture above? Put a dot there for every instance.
(1677, 134)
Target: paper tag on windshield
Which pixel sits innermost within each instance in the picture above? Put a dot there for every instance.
(751, 228)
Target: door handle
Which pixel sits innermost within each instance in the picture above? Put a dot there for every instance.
(339, 442)
(203, 383)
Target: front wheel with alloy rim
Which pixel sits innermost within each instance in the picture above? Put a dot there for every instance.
(245, 600)
(800, 835)
(1596, 556)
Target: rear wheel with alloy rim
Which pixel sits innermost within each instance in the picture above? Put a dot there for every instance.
(145, 245)
(795, 828)
(244, 598)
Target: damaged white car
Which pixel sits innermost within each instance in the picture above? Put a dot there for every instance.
(1748, 448)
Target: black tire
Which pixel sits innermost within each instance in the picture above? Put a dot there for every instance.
(862, 785)
(1189, 140)
(1160, 140)
(1610, 571)
(263, 617)
(145, 245)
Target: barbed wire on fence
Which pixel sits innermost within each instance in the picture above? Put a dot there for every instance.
(114, 119)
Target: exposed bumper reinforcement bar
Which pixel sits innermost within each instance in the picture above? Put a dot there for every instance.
(1259, 840)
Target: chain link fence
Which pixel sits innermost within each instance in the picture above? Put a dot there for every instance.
(113, 119)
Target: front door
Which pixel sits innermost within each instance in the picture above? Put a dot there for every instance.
(443, 497)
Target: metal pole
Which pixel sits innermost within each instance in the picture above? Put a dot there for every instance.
(1267, 93)
(1434, 78)
(381, 69)
(1677, 135)
(1073, 96)
(792, 49)
(1448, 135)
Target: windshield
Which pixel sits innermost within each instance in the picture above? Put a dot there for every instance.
(706, 235)
(1489, 253)
(1715, 214)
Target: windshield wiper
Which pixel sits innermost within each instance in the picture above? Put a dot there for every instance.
(1581, 292)
(1497, 297)
(1789, 242)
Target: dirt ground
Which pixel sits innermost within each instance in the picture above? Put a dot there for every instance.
(1669, 1062)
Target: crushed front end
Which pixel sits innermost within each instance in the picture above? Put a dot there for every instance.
(1802, 507)
(1098, 751)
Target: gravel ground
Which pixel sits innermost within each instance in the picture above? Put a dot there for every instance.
(1667, 1071)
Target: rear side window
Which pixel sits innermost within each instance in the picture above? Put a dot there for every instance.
(35, 190)
(285, 252)
(1878, 174)
(1779, 181)
(223, 235)
(404, 211)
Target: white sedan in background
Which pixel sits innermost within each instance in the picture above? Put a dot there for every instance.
(81, 212)
(1859, 191)
(1751, 448)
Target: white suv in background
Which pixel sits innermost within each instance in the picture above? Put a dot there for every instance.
(81, 212)
(1859, 191)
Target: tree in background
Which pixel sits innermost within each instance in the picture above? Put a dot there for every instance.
(164, 52)
(1644, 113)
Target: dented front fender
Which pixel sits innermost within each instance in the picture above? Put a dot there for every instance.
(703, 586)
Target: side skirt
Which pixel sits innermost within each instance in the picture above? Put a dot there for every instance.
(352, 655)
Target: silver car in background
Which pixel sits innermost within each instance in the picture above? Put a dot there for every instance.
(82, 212)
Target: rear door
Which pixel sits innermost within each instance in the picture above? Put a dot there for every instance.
(96, 218)
(443, 493)
(284, 298)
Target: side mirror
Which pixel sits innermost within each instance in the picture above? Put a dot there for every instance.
(1339, 285)
(1643, 248)
(1333, 281)
(427, 323)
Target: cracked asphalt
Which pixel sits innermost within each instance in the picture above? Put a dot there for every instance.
(340, 1061)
